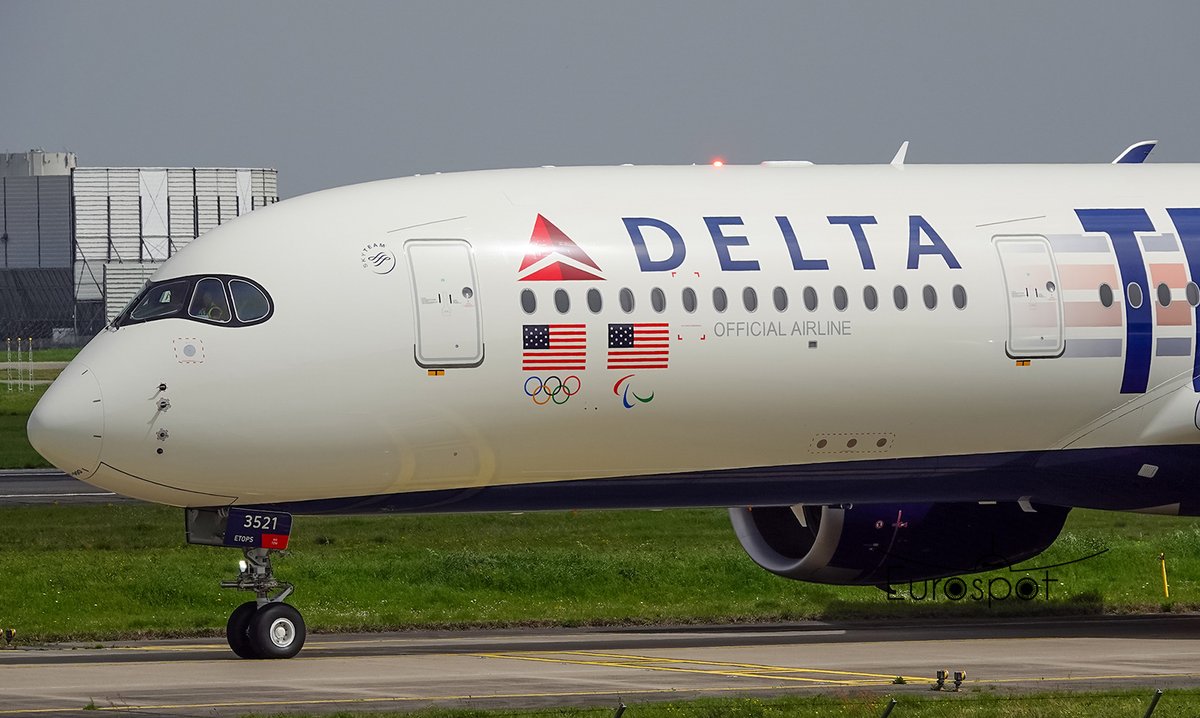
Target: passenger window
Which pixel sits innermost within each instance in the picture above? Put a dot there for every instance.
(528, 301)
(810, 299)
(900, 295)
(1193, 294)
(840, 299)
(562, 302)
(1164, 295)
(594, 300)
(658, 300)
(750, 299)
(929, 294)
(960, 296)
(720, 301)
(209, 301)
(1134, 292)
(689, 300)
(162, 301)
(1106, 296)
(870, 297)
(249, 302)
(625, 298)
(781, 298)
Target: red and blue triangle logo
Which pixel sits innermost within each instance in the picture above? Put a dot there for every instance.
(553, 257)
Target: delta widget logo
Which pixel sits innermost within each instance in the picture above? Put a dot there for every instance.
(553, 257)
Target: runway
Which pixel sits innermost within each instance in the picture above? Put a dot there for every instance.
(531, 668)
(23, 487)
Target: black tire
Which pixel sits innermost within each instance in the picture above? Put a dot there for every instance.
(237, 630)
(277, 631)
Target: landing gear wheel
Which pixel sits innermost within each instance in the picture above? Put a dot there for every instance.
(276, 631)
(237, 630)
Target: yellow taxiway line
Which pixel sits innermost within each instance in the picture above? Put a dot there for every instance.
(710, 668)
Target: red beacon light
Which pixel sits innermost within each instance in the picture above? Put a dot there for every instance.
(718, 162)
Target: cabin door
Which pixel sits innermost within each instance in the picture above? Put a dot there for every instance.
(449, 330)
(1035, 311)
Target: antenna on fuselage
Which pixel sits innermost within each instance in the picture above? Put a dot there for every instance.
(898, 160)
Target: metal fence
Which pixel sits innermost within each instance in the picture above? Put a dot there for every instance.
(41, 303)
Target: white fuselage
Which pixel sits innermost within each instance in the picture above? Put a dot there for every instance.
(377, 374)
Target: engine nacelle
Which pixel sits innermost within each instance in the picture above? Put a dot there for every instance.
(883, 544)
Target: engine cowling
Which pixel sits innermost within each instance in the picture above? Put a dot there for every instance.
(884, 544)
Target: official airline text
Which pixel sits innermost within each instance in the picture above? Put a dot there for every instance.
(782, 329)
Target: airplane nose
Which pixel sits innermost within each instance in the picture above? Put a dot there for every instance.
(67, 425)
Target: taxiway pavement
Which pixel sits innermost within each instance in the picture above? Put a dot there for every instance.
(599, 666)
(23, 487)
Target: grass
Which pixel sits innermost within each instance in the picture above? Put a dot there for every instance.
(1174, 704)
(123, 571)
(17, 378)
(59, 355)
(55, 355)
(89, 573)
(15, 406)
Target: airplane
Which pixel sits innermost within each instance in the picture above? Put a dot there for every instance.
(885, 373)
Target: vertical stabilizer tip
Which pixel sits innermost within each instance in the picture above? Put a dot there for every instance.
(1136, 153)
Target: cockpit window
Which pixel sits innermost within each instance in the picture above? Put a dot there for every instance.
(201, 299)
(161, 301)
(209, 302)
(249, 301)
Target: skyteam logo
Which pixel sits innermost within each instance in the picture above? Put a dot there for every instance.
(377, 258)
(553, 257)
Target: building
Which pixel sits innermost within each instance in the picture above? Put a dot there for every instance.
(36, 244)
(77, 243)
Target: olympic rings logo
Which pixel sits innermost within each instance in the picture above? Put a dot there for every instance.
(552, 389)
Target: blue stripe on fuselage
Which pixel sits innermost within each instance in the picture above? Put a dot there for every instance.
(1091, 478)
(1187, 225)
(1120, 226)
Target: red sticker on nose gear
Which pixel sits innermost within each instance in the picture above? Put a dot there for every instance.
(278, 541)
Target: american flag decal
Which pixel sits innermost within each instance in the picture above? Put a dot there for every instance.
(554, 347)
(639, 346)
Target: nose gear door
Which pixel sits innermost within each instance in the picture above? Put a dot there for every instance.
(449, 328)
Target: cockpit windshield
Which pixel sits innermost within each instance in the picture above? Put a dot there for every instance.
(161, 300)
(204, 299)
(209, 302)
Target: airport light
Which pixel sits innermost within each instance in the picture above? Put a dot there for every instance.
(941, 680)
(959, 677)
(1153, 703)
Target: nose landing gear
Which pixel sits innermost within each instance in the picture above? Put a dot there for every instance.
(265, 627)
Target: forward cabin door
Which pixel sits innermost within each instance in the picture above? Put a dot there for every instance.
(1035, 311)
(446, 299)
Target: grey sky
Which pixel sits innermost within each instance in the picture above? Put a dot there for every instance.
(333, 93)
